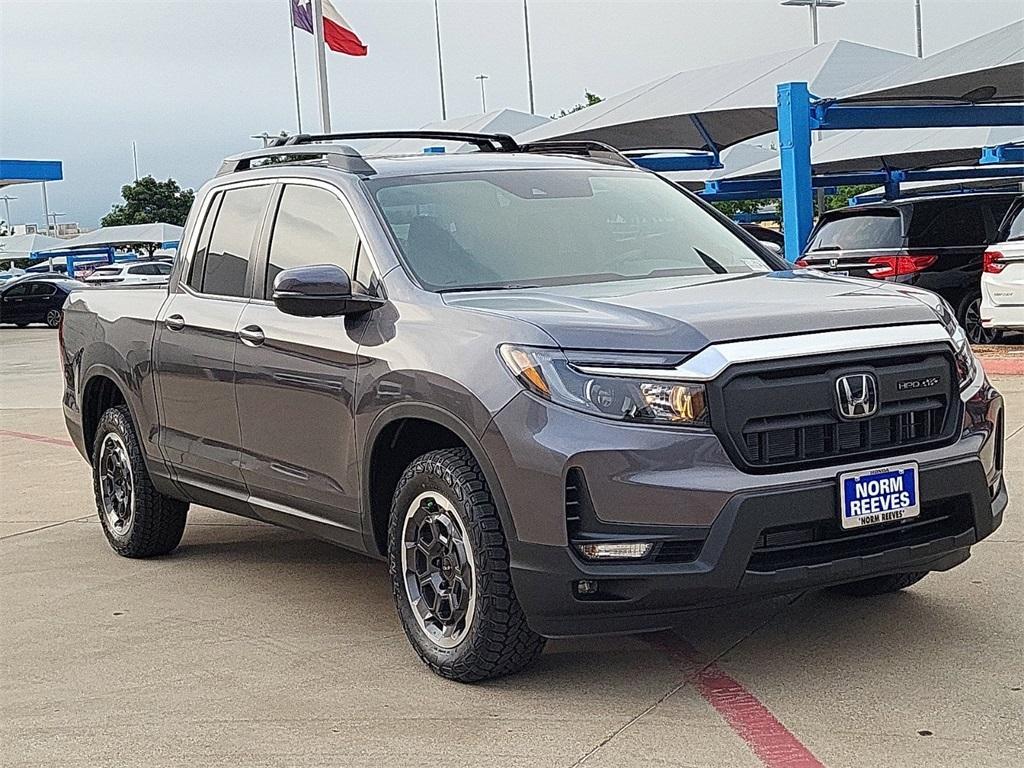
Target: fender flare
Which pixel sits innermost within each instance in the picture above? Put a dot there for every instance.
(460, 429)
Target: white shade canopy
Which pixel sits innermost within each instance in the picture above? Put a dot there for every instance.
(734, 101)
(989, 68)
(903, 148)
(510, 121)
(123, 235)
(23, 246)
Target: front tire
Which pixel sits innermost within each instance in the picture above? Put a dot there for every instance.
(137, 519)
(880, 585)
(449, 563)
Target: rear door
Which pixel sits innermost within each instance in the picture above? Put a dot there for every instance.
(195, 346)
(855, 241)
(296, 375)
(42, 297)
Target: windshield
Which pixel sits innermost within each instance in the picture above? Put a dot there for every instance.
(499, 229)
(853, 232)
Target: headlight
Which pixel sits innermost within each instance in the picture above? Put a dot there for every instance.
(547, 373)
(963, 354)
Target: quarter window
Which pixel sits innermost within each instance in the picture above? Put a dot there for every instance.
(312, 226)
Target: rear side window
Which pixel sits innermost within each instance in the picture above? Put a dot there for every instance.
(943, 226)
(227, 259)
(42, 289)
(312, 226)
(874, 229)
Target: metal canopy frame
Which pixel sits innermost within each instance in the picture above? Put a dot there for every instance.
(800, 113)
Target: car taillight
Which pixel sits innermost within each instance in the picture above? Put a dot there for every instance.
(897, 266)
(800, 263)
(993, 263)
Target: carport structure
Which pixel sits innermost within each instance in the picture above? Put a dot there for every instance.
(978, 84)
(703, 111)
(102, 242)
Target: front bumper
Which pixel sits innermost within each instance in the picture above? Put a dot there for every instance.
(675, 483)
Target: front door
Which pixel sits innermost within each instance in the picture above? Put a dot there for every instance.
(295, 376)
(15, 303)
(195, 348)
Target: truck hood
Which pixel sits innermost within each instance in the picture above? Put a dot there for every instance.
(687, 314)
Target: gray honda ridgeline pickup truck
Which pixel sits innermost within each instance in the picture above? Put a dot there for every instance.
(559, 395)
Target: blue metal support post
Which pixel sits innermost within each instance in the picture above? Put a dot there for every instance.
(795, 154)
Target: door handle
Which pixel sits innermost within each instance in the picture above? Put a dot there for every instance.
(174, 322)
(252, 335)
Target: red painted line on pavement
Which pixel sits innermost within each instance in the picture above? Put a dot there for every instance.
(37, 438)
(1003, 366)
(773, 743)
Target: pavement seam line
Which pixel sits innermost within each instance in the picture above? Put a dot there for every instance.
(45, 527)
(691, 676)
(37, 438)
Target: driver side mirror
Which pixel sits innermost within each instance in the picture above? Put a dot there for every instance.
(321, 290)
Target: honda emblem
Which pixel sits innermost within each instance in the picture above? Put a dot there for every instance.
(856, 396)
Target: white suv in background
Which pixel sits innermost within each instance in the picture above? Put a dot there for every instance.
(153, 272)
(1002, 277)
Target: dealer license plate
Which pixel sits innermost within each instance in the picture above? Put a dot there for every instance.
(878, 496)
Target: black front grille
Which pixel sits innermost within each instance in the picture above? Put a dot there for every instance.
(792, 546)
(782, 415)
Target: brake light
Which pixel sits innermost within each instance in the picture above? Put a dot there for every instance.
(898, 266)
(993, 263)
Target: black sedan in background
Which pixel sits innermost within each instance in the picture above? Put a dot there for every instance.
(35, 300)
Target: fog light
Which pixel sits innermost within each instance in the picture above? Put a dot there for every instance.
(586, 587)
(631, 551)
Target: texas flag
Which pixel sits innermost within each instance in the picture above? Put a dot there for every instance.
(338, 33)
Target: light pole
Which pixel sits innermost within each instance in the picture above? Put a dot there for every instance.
(483, 94)
(440, 65)
(813, 6)
(529, 58)
(917, 25)
(7, 204)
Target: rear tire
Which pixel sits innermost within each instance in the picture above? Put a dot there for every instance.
(450, 577)
(137, 519)
(53, 318)
(969, 316)
(880, 585)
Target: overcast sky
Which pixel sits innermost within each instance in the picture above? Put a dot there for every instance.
(191, 80)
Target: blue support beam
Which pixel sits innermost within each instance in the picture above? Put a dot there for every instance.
(830, 116)
(663, 163)
(1004, 153)
(795, 153)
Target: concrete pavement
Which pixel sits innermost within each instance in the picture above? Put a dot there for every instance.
(255, 646)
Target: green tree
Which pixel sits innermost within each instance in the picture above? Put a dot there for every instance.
(148, 201)
(591, 99)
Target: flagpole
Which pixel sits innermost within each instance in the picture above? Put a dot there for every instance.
(321, 66)
(529, 58)
(440, 66)
(295, 66)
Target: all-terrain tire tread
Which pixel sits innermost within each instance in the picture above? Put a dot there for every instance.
(504, 643)
(159, 520)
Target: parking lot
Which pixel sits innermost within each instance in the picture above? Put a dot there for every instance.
(252, 645)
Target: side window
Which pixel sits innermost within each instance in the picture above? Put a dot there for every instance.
(950, 225)
(17, 290)
(195, 275)
(142, 269)
(364, 272)
(227, 257)
(161, 269)
(42, 289)
(312, 226)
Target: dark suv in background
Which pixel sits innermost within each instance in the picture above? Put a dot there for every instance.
(935, 243)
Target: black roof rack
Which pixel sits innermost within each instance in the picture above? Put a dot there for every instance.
(310, 148)
(485, 142)
(335, 155)
(595, 149)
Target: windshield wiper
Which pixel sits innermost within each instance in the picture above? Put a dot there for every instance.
(487, 287)
(710, 263)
